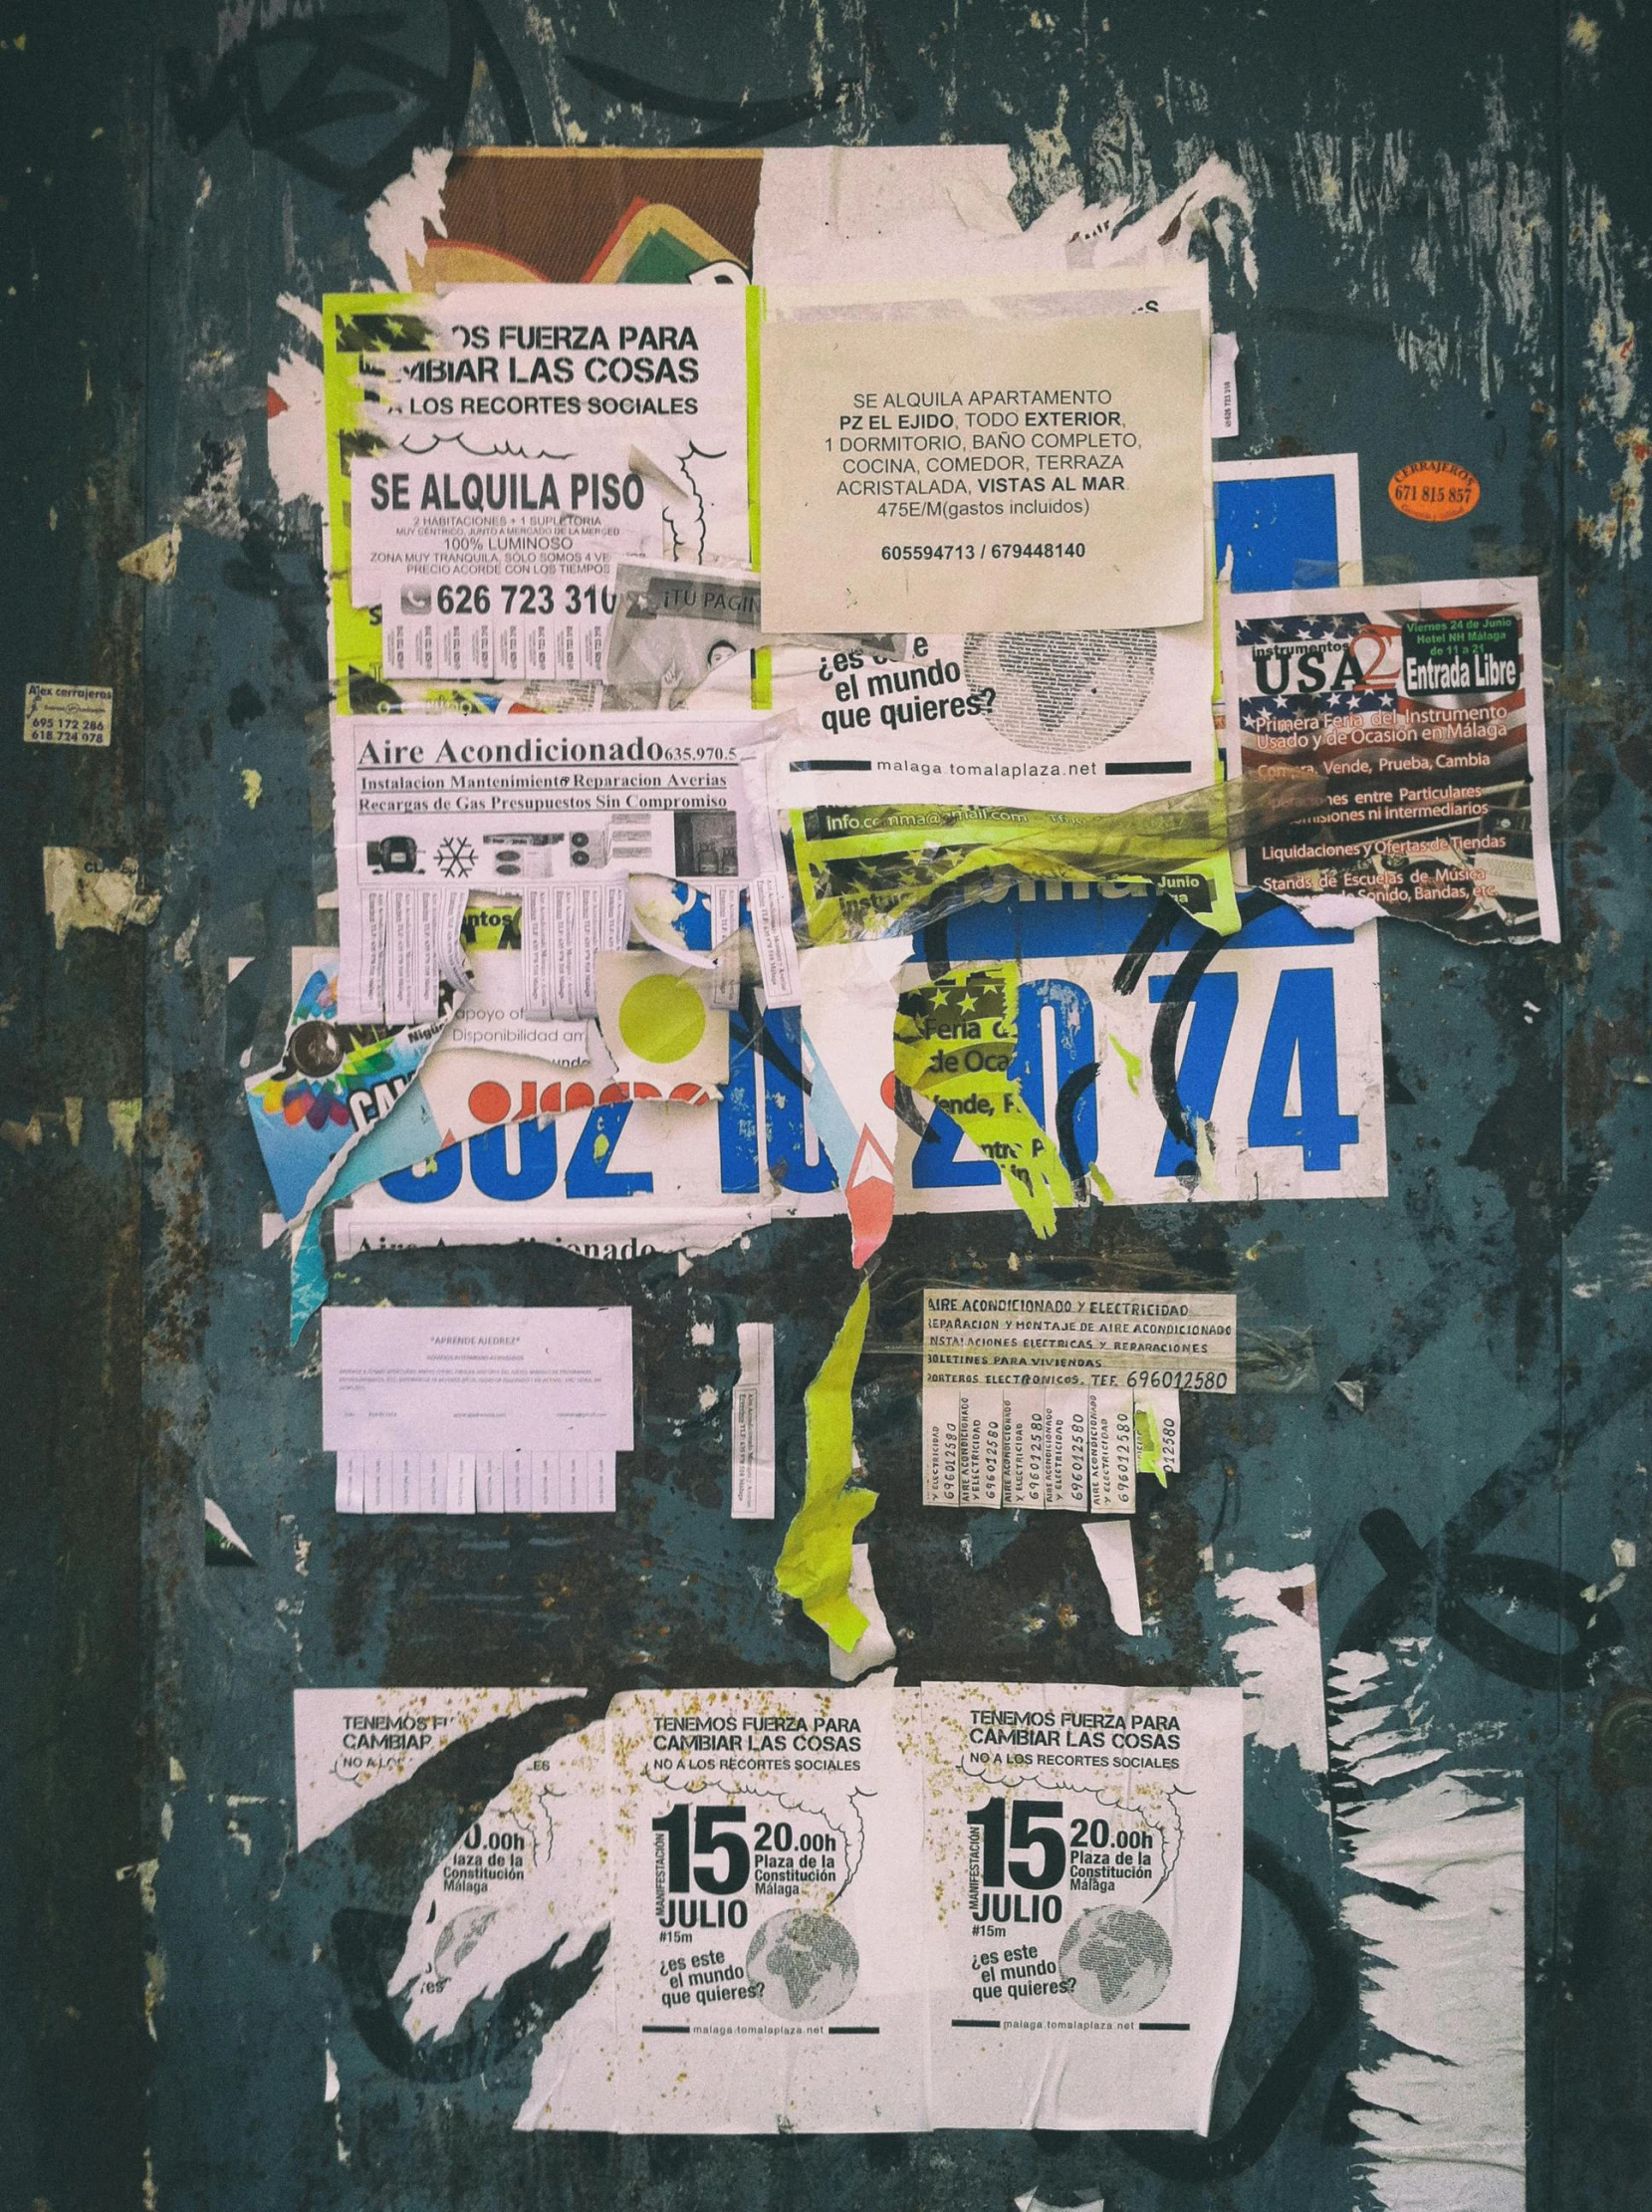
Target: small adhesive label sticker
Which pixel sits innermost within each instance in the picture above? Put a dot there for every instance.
(1434, 491)
(67, 714)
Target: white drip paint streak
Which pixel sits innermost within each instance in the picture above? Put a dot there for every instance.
(1612, 430)
(1444, 1991)
(1277, 1659)
(1416, 232)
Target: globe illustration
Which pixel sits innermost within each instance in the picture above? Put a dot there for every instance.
(1063, 693)
(804, 1964)
(1117, 1961)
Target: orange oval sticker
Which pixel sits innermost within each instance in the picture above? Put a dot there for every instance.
(1434, 491)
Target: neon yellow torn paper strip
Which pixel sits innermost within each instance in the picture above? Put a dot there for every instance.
(816, 1559)
(954, 1043)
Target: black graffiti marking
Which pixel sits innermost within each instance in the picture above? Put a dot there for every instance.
(740, 119)
(1439, 1579)
(1067, 1113)
(749, 1027)
(1167, 1030)
(1330, 2009)
(349, 72)
(367, 1947)
(1162, 918)
(1415, 1581)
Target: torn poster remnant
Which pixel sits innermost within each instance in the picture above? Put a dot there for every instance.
(1278, 1660)
(81, 893)
(1113, 1550)
(349, 1746)
(875, 1646)
(1442, 2105)
(814, 1561)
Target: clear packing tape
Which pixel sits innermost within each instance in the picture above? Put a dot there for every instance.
(867, 871)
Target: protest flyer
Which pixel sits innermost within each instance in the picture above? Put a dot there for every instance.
(1085, 1856)
(766, 1962)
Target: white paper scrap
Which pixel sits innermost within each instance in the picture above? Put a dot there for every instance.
(536, 1398)
(1116, 1558)
(875, 1646)
(753, 1439)
(1224, 386)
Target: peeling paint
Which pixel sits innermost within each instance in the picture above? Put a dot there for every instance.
(213, 501)
(295, 415)
(143, 1871)
(252, 786)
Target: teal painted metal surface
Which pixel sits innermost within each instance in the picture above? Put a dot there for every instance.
(1450, 217)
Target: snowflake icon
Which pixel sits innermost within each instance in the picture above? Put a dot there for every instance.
(456, 855)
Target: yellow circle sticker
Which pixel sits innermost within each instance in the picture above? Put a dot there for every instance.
(662, 1019)
(1434, 491)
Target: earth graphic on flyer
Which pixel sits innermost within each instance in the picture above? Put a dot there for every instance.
(804, 1964)
(1061, 693)
(1116, 1961)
